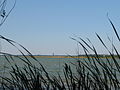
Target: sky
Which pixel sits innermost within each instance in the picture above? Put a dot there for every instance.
(44, 27)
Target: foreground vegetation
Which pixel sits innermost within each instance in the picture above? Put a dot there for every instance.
(91, 73)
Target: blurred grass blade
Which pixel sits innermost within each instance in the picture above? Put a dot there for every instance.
(114, 29)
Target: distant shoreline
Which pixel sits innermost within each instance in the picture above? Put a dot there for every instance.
(69, 56)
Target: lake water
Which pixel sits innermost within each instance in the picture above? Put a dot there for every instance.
(52, 65)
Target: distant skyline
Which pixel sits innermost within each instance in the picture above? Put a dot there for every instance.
(44, 27)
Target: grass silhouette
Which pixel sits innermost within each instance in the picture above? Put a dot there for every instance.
(91, 73)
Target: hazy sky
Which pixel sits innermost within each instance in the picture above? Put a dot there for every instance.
(45, 26)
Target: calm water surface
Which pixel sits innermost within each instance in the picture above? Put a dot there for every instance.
(52, 65)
